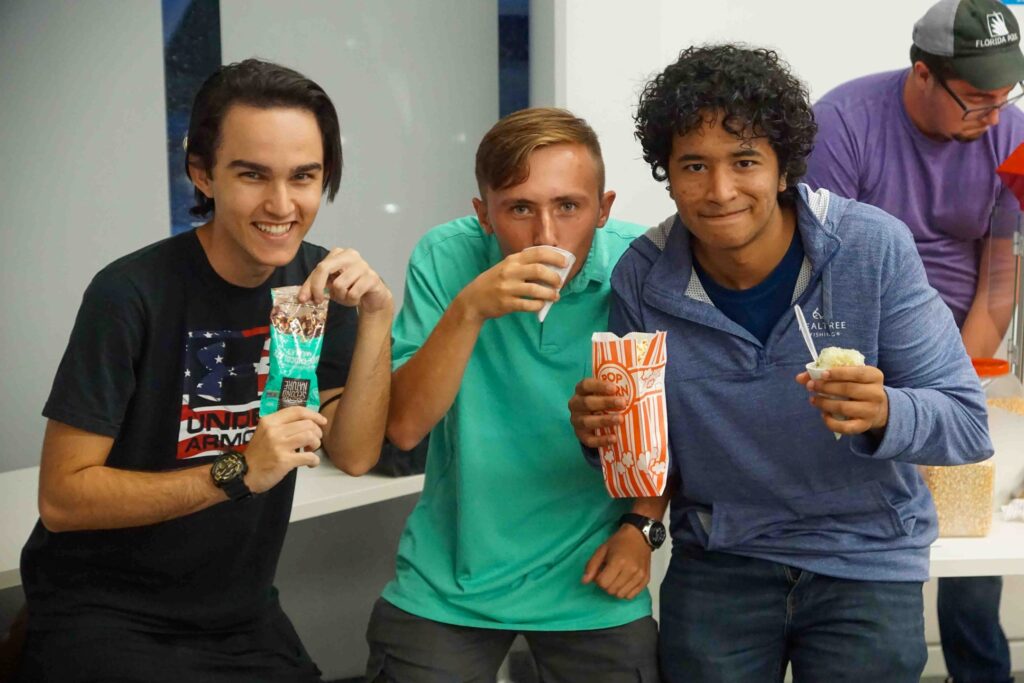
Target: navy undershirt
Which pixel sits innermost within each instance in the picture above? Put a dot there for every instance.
(758, 309)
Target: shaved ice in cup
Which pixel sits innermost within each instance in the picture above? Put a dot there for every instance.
(834, 357)
(570, 259)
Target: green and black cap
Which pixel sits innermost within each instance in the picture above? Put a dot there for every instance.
(981, 39)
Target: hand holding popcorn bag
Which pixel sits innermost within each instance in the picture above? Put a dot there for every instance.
(296, 337)
(636, 465)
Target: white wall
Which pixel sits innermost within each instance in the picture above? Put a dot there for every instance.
(83, 179)
(415, 85)
(599, 53)
(603, 51)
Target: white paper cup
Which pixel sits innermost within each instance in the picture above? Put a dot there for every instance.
(816, 374)
(570, 259)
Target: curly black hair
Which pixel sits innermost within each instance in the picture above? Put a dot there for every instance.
(750, 90)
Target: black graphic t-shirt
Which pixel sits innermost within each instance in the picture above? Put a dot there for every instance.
(170, 360)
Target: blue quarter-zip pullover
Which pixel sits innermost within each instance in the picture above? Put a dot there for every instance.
(759, 473)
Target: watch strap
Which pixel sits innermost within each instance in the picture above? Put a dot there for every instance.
(643, 524)
(236, 489)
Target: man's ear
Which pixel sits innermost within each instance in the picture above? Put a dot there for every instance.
(782, 183)
(480, 206)
(201, 178)
(921, 74)
(607, 199)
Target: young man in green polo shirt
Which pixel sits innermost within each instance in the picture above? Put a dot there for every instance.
(514, 532)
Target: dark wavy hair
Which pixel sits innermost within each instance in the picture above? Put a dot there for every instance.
(940, 67)
(265, 85)
(750, 90)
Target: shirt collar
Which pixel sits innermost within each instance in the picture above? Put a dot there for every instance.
(596, 268)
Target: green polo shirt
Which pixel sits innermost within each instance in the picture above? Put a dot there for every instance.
(510, 511)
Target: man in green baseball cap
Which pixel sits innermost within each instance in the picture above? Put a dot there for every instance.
(967, 67)
(923, 144)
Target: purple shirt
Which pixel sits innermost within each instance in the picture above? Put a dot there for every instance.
(868, 149)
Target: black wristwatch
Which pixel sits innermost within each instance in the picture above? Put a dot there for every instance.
(652, 529)
(228, 472)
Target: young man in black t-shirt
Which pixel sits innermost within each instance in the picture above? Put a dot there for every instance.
(164, 498)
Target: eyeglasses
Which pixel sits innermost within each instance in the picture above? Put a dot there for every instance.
(978, 113)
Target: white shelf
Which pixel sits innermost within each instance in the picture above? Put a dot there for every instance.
(325, 489)
(1001, 553)
(318, 491)
(18, 490)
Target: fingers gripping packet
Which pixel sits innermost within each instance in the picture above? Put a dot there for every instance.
(636, 465)
(296, 337)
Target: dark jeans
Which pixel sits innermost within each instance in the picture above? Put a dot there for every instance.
(269, 653)
(726, 618)
(405, 648)
(973, 643)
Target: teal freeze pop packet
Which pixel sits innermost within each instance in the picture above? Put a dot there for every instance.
(296, 337)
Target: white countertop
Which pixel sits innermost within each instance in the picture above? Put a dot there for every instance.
(325, 489)
(318, 491)
(18, 489)
(1001, 553)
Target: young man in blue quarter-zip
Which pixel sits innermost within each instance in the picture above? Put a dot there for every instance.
(790, 547)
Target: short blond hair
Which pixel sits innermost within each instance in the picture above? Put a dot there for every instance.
(503, 154)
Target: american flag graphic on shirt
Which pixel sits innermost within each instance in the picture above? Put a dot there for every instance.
(225, 372)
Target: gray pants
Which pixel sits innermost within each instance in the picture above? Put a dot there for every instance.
(405, 648)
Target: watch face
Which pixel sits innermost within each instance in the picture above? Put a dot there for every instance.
(657, 534)
(227, 467)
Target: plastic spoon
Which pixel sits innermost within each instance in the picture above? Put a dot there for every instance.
(806, 332)
(812, 368)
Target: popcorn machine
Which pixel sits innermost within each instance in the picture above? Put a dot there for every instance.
(964, 495)
(1006, 271)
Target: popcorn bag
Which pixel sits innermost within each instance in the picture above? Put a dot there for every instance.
(636, 465)
(296, 337)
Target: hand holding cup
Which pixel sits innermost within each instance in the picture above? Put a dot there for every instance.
(852, 398)
(522, 282)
